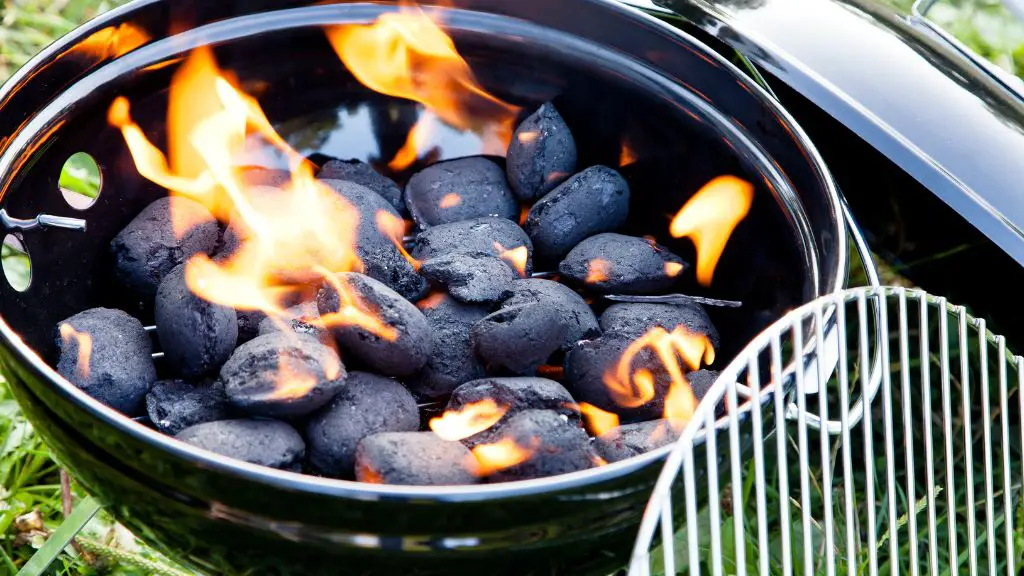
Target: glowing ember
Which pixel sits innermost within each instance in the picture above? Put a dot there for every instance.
(516, 257)
(84, 342)
(407, 55)
(672, 269)
(598, 461)
(394, 228)
(598, 270)
(633, 388)
(434, 300)
(450, 200)
(710, 217)
(471, 419)
(490, 458)
(598, 421)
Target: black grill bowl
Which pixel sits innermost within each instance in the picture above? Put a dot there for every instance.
(613, 72)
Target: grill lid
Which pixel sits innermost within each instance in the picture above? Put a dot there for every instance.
(945, 116)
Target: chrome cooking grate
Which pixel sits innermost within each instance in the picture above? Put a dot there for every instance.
(928, 481)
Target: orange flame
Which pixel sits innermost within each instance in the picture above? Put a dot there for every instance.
(415, 143)
(597, 270)
(113, 41)
(709, 219)
(505, 453)
(527, 137)
(394, 228)
(433, 300)
(631, 388)
(471, 419)
(598, 461)
(352, 311)
(406, 54)
(627, 155)
(672, 269)
(680, 404)
(598, 421)
(516, 257)
(84, 341)
(295, 379)
(450, 200)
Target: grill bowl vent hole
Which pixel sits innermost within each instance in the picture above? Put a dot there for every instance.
(16, 262)
(81, 181)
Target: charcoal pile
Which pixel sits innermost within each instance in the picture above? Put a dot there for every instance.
(405, 337)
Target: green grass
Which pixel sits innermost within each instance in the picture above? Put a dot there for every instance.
(30, 481)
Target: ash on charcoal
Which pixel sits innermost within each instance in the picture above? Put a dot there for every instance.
(451, 361)
(197, 336)
(631, 440)
(363, 174)
(249, 324)
(593, 201)
(517, 395)
(264, 442)
(580, 319)
(489, 235)
(301, 319)
(518, 339)
(259, 176)
(381, 258)
(557, 446)
(413, 342)
(413, 458)
(634, 320)
(700, 382)
(120, 369)
(367, 404)
(147, 249)
(173, 405)
(471, 277)
(614, 263)
(541, 154)
(458, 190)
(282, 374)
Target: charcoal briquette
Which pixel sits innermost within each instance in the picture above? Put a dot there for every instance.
(451, 361)
(173, 405)
(302, 319)
(636, 319)
(471, 277)
(541, 154)
(367, 404)
(518, 339)
(580, 319)
(413, 458)
(612, 263)
(457, 190)
(120, 368)
(263, 442)
(488, 235)
(556, 446)
(700, 382)
(147, 248)
(595, 200)
(249, 324)
(516, 395)
(412, 341)
(282, 374)
(363, 174)
(197, 336)
(631, 440)
(381, 258)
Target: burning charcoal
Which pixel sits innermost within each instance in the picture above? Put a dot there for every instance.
(404, 343)
(452, 361)
(593, 201)
(634, 320)
(282, 374)
(106, 353)
(367, 404)
(514, 395)
(259, 176)
(302, 319)
(471, 277)
(518, 339)
(541, 155)
(249, 324)
(197, 336)
(631, 440)
(413, 458)
(494, 236)
(363, 174)
(147, 249)
(263, 442)
(457, 190)
(613, 263)
(378, 251)
(174, 405)
(555, 446)
(574, 310)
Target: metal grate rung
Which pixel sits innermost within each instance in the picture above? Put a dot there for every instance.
(928, 482)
